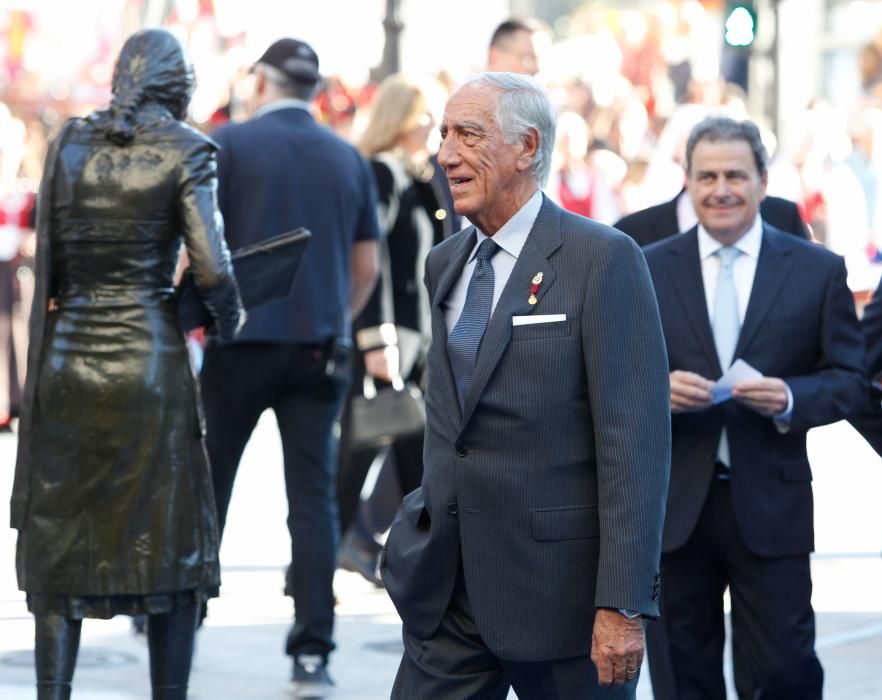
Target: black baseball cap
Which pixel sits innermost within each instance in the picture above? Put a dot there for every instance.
(294, 58)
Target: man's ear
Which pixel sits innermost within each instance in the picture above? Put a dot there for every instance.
(529, 148)
(259, 83)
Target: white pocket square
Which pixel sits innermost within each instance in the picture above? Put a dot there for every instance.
(537, 318)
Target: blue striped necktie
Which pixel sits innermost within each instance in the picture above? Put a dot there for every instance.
(465, 338)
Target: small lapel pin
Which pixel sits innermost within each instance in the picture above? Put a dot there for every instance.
(534, 287)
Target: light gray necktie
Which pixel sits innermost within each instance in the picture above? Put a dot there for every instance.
(727, 324)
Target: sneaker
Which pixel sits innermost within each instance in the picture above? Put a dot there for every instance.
(310, 680)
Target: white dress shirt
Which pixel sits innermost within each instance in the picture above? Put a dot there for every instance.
(743, 269)
(743, 273)
(510, 239)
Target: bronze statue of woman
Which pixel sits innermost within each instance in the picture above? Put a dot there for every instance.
(112, 496)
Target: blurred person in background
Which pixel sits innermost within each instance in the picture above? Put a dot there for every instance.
(573, 183)
(863, 160)
(15, 209)
(393, 331)
(112, 495)
(868, 422)
(279, 171)
(810, 168)
(513, 47)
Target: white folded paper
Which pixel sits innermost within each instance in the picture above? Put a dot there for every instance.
(740, 371)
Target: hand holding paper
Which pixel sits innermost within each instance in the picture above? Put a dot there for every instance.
(740, 371)
(689, 391)
(768, 396)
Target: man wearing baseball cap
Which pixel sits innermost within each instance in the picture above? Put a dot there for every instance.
(278, 171)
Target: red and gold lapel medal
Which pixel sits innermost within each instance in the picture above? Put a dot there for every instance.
(534, 287)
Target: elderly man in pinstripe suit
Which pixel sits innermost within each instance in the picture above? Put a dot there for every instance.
(529, 556)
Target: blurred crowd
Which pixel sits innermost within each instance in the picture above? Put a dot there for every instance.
(629, 86)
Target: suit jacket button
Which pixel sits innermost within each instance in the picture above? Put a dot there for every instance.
(461, 451)
(452, 509)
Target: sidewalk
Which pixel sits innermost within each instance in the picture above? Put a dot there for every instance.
(240, 651)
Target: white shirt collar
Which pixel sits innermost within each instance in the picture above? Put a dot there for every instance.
(287, 103)
(513, 234)
(749, 244)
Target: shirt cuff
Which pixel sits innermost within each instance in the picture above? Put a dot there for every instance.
(782, 420)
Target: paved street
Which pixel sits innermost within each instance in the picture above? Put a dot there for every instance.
(240, 651)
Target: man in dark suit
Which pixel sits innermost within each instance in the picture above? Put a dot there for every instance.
(656, 223)
(529, 554)
(739, 510)
(277, 172)
(869, 421)
(649, 226)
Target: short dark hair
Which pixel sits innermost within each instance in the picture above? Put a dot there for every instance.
(715, 129)
(509, 28)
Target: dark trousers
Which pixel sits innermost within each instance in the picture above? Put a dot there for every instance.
(773, 624)
(455, 664)
(239, 382)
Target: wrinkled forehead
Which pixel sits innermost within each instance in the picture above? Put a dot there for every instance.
(472, 102)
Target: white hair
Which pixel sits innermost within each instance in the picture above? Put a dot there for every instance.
(522, 105)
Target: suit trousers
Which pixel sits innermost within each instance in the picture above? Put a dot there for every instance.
(455, 664)
(241, 381)
(773, 624)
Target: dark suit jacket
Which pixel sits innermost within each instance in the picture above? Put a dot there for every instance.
(656, 223)
(549, 486)
(800, 325)
(871, 324)
(281, 171)
(869, 421)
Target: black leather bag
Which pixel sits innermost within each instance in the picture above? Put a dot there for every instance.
(264, 271)
(381, 417)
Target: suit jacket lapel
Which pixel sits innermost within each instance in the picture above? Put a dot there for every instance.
(689, 283)
(772, 270)
(542, 241)
(455, 264)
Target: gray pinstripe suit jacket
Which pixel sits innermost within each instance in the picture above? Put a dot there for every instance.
(549, 486)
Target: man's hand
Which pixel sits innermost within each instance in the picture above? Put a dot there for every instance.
(616, 647)
(689, 391)
(767, 396)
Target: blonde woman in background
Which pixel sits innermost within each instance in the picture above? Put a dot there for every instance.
(415, 213)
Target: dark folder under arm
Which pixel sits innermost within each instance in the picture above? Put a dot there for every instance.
(264, 271)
